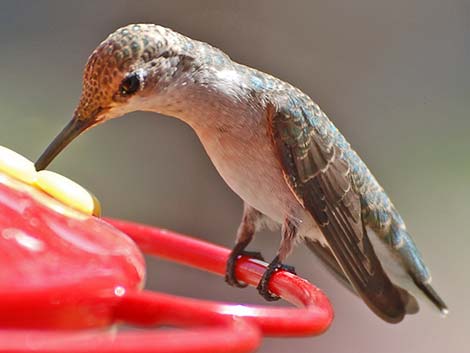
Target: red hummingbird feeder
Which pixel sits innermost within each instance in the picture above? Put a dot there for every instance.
(68, 280)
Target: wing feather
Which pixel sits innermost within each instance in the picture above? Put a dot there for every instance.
(316, 172)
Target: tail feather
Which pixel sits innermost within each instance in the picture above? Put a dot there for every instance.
(402, 243)
(328, 259)
(397, 249)
(432, 295)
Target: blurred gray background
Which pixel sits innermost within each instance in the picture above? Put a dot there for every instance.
(393, 75)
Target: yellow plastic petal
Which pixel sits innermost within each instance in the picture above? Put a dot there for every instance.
(97, 205)
(17, 166)
(68, 192)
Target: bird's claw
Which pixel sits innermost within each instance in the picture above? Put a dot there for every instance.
(264, 282)
(230, 277)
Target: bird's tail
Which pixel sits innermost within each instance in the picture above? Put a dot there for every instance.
(326, 256)
(400, 241)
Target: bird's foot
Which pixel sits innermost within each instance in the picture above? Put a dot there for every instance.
(230, 277)
(263, 284)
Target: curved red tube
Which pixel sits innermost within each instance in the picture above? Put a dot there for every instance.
(314, 316)
(239, 337)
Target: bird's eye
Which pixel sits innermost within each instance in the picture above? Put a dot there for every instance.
(130, 85)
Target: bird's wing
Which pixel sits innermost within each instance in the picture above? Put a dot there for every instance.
(314, 168)
(324, 253)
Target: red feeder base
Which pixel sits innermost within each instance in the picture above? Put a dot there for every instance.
(68, 280)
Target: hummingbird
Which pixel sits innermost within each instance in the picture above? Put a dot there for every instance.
(275, 148)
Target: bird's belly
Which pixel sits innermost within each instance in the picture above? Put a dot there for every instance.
(256, 176)
(251, 169)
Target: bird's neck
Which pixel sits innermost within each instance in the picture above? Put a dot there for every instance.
(216, 99)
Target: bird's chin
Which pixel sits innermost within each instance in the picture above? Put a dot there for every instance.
(113, 113)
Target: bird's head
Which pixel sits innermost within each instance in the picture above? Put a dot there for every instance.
(133, 63)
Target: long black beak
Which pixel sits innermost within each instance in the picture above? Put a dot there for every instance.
(74, 128)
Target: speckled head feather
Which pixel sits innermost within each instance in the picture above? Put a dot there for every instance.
(135, 60)
(121, 53)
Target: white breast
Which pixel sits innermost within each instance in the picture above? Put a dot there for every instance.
(251, 170)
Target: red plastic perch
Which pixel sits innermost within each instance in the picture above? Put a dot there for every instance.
(313, 317)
